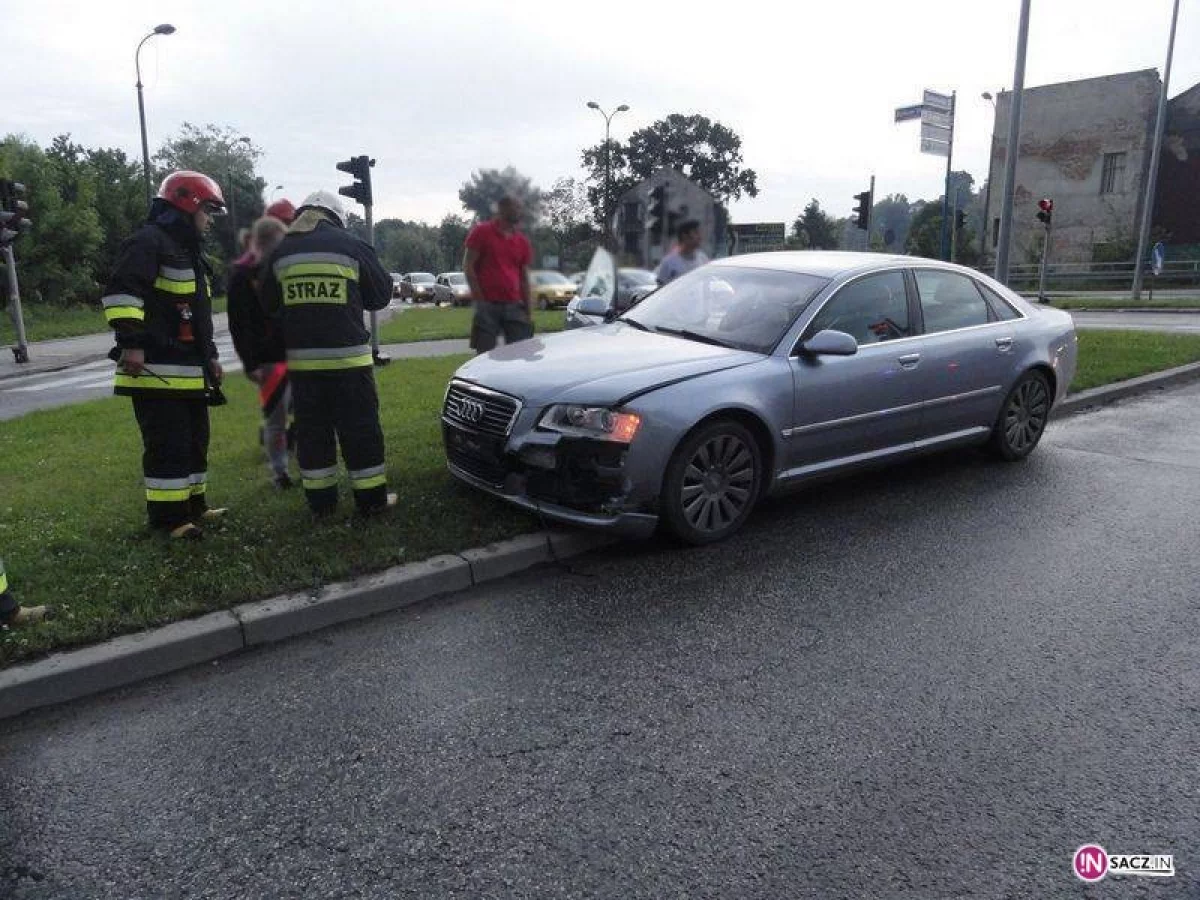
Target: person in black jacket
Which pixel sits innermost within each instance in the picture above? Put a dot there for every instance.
(319, 281)
(159, 305)
(258, 341)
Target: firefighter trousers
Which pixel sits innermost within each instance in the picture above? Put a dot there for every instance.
(174, 457)
(332, 408)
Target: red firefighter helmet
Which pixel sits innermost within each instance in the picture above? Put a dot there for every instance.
(188, 191)
(283, 210)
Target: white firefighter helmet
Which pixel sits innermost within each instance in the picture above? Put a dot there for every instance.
(326, 201)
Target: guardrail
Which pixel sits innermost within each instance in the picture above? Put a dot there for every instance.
(1102, 276)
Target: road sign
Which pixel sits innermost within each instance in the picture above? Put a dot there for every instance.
(757, 237)
(908, 113)
(937, 148)
(940, 102)
(1157, 257)
(935, 133)
(936, 117)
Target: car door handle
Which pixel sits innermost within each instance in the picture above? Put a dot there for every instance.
(1004, 344)
(909, 360)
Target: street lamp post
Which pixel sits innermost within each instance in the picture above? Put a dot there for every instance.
(137, 64)
(608, 117)
(987, 193)
(1012, 147)
(278, 187)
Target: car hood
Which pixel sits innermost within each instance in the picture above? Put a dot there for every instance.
(599, 365)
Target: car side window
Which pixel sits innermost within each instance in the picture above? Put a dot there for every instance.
(871, 310)
(1001, 307)
(950, 301)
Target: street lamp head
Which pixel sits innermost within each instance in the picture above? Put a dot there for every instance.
(592, 104)
(622, 108)
(164, 29)
(987, 95)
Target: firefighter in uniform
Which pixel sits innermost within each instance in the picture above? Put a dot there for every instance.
(319, 281)
(158, 304)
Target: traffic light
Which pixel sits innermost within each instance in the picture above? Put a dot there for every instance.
(960, 220)
(360, 168)
(1045, 210)
(862, 212)
(12, 211)
(656, 212)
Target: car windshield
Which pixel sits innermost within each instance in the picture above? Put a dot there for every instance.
(749, 309)
(550, 278)
(456, 278)
(422, 277)
(639, 276)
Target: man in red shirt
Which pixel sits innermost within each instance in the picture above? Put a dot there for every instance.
(497, 269)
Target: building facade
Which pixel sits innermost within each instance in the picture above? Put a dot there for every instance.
(1086, 145)
(685, 200)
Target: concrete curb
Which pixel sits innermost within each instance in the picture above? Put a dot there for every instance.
(20, 370)
(136, 657)
(1143, 384)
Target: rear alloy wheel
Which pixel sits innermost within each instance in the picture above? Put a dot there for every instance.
(1022, 418)
(712, 483)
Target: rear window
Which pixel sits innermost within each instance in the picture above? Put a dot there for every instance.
(1004, 310)
(950, 301)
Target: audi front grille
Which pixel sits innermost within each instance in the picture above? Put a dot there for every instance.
(480, 410)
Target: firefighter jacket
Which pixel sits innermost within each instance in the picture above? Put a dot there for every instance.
(319, 281)
(257, 337)
(157, 300)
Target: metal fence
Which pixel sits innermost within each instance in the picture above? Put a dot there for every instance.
(1102, 276)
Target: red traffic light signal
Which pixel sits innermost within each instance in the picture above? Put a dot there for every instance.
(1045, 210)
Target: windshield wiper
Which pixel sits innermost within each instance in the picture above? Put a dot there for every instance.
(697, 336)
(640, 326)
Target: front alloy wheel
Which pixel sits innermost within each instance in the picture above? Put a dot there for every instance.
(1022, 418)
(712, 483)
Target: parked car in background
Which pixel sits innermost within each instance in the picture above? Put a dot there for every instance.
(452, 288)
(631, 286)
(576, 278)
(550, 288)
(396, 279)
(417, 287)
(752, 375)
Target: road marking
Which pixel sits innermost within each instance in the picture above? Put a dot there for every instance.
(55, 381)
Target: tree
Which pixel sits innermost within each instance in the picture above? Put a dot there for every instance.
(566, 230)
(486, 187)
(120, 202)
(707, 152)
(452, 239)
(815, 229)
(925, 232)
(891, 216)
(56, 258)
(229, 158)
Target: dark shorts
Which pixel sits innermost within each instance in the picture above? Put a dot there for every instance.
(494, 319)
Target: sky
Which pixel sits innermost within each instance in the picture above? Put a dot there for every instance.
(435, 90)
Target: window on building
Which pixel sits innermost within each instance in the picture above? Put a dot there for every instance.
(632, 214)
(995, 232)
(1112, 175)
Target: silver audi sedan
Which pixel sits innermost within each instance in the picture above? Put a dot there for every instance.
(752, 375)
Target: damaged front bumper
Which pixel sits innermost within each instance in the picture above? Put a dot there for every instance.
(569, 480)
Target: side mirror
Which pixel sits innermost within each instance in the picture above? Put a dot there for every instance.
(830, 343)
(592, 306)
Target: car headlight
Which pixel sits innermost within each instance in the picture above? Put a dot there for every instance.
(592, 422)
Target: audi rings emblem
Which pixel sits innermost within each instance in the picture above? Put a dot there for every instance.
(469, 410)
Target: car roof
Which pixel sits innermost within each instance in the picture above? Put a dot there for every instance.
(825, 263)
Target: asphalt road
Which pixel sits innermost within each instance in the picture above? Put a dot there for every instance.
(932, 682)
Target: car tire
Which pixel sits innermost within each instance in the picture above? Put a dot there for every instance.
(712, 482)
(1023, 417)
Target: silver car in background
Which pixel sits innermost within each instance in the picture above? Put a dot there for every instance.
(752, 375)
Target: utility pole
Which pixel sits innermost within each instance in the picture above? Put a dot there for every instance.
(1012, 149)
(360, 168)
(1151, 180)
(21, 350)
(946, 195)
